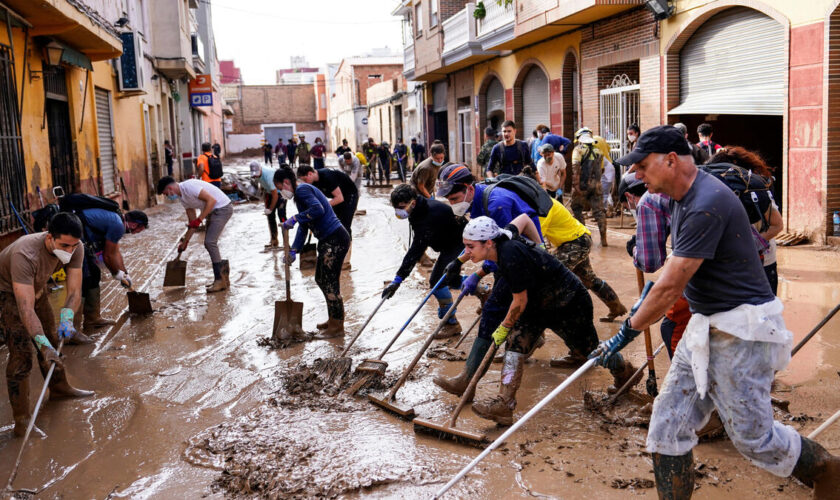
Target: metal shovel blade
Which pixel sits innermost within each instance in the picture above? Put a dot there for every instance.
(288, 319)
(139, 303)
(176, 273)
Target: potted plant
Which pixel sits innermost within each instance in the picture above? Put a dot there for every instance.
(479, 12)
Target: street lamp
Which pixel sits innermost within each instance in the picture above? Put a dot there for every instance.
(54, 52)
(659, 8)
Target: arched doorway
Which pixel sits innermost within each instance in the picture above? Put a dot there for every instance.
(535, 103)
(495, 98)
(571, 96)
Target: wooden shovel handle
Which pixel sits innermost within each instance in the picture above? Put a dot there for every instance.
(470, 391)
(287, 249)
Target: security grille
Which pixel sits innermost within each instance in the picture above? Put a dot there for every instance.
(619, 109)
(12, 171)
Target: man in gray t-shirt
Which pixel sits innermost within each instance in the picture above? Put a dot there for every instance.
(735, 341)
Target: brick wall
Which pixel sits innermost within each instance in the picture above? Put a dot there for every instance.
(275, 104)
(449, 8)
(363, 74)
(650, 95)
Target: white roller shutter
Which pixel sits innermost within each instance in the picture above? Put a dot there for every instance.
(106, 141)
(439, 91)
(734, 64)
(495, 96)
(535, 108)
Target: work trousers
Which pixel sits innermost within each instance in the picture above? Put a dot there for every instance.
(346, 210)
(495, 308)
(278, 212)
(575, 256)
(216, 222)
(317, 163)
(594, 195)
(740, 374)
(331, 253)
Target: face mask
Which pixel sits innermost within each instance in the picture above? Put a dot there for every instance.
(437, 163)
(63, 256)
(460, 209)
(173, 197)
(286, 194)
(631, 138)
(401, 213)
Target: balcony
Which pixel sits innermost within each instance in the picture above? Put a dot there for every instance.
(497, 26)
(408, 62)
(460, 45)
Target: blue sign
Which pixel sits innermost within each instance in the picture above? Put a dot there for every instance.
(201, 99)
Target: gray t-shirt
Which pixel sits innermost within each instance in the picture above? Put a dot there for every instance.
(710, 223)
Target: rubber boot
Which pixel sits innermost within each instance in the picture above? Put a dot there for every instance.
(458, 384)
(500, 356)
(500, 408)
(818, 468)
(273, 244)
(91, 308)
(574, 359)
(452, 327)
(602, 228)
(622, 372)
(608, 296)
(226, 272)
(218, 284)
(674, 476)
(324, 325)
(60, 387)
(335, 328)
(20, 405)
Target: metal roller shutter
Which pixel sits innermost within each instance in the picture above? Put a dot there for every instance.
(495, 96)
(106, 141)
(735, 64)
(534, 101)
(439, 91)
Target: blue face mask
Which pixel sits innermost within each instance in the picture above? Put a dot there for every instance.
(401, 213)
(173, 197)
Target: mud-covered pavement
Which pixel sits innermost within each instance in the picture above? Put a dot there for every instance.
(189, 405)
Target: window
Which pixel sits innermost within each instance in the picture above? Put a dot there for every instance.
(418, 15)
(12, 170)
(358, 93)
(433, 15)
(374, 77)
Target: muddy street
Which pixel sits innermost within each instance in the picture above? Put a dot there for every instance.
(190, 404)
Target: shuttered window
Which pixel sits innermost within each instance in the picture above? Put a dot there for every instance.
(734, 64)
(106, 142)
(495, 96)
(535, 110)
(439, 90)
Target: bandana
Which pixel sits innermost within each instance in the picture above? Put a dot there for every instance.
(484, 228)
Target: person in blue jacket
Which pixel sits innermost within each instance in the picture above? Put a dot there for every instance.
(544, 136)
(315, 214)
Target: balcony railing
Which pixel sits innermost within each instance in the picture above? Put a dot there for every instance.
(498, 16)
(408, 59)
(456, 31)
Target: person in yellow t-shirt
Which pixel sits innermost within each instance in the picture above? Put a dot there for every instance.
(571, 242)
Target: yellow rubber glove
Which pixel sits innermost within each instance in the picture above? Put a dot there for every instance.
(500, 334)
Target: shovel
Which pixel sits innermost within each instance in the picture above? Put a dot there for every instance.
(288, 315)
(138, 302)
(387, 403)
(371, 368)
(176, 270)
(448, 430)
(650, 384)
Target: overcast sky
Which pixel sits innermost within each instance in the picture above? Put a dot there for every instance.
(261, 35)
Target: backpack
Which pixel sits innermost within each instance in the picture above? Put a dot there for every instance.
(214, 167)
(526, 188)
(752, 189)
(521, 146)
(41, 217)
(77, 202)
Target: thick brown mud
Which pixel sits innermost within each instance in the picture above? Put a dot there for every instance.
(189, 405)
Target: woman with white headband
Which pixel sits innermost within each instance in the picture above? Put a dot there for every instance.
(545, 295)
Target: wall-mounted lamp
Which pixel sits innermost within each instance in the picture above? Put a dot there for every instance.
(659, 8)
(121, 22)
(52, 57)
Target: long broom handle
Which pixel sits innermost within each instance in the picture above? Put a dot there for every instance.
(815, 330)
(640, 281)
(426, 345)
(353, 340)
(824, 425)
(519, 423)
(32, 420)
(286, 264)
(464, 336)
(488, 358)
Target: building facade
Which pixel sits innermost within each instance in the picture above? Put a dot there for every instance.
(761, 72)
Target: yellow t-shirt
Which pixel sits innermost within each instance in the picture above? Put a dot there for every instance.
(362, 159)
(559, 226)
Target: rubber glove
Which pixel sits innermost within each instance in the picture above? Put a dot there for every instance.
(607, 348)
(500, 334)
(65, 324)
(195, 223)
(559, 194)
(469, 285)
(123, 278)
(289, 223)
(267, 211)
(290, 257)
(52, 356)
(453, 271)
(631, 245)
(392, 287)
(489, 267)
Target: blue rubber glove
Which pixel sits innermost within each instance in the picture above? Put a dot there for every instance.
(607, 348)
(500, 334)
(65, 325)
(469, 285)
(289, 223)
(453, 272)
(489, 267)
(291, 256)
(392, 287)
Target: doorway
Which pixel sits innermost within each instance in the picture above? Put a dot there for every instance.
(59, 129)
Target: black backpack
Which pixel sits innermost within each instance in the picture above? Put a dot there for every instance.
(214, 167)
(752, 189)
(525, 187)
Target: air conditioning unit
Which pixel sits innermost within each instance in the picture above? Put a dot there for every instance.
(130, 67)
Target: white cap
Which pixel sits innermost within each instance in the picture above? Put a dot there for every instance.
(482, 229)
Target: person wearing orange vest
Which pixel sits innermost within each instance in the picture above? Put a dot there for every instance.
(203, 165)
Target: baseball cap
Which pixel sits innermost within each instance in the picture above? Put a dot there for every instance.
(630, 184)
(255, 169)
(661, 139)
(451, 175)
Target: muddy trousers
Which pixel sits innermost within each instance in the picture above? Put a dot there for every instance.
(21, 350)
(216, 222)
(443, 294)
(331, 252)
(345, 212)
(279, 212)
(575, 256)
(740, 373)
(596, 202)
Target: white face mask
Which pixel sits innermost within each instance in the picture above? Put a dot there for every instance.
(63, 256)
(286, 194)
(460, 209)
(437, 163)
